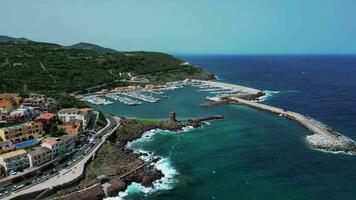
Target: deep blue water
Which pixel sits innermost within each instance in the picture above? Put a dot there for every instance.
(321, 86)
(253, 154)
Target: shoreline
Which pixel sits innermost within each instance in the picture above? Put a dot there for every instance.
(138, 170)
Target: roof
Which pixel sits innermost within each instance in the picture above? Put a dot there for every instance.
(86, 110)
(19, 126)
(8, 95)
(69, 129)
(51, 142)
(66, 138)
(38, 151)
(46, 116)
(68, 110)
(4, 103)
(13, 154)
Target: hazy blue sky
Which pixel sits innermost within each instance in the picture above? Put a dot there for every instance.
(198, 26)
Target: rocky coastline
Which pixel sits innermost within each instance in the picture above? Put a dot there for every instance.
(121, 166)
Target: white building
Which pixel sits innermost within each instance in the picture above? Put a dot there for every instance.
(26, 112)
(71, 114)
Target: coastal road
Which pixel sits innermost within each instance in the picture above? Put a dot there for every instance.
(75, 171)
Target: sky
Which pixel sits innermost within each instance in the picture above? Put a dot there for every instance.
(188, 26)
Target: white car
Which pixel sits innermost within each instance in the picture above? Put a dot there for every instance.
(13, 173)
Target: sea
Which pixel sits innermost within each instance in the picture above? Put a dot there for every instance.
(252, 154)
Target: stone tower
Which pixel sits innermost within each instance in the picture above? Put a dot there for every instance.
(172, 116)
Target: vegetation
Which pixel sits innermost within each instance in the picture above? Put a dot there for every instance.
(101, 122)
(131, 127)
(44, 67)
(55, 132)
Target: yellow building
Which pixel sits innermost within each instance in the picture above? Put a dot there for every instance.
(22, 132)
(15, 160)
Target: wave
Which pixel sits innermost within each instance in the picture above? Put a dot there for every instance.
(268, 95)
(167, 182)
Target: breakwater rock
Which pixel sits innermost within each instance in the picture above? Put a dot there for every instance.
(323, 142)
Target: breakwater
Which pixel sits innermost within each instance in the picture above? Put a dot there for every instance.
(323, 137)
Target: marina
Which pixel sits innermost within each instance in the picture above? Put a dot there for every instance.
(96, 100)
(122, 99)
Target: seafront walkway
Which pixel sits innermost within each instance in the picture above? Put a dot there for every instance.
(307, 122)
(72, 173)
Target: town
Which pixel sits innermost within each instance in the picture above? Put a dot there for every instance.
(37, 139)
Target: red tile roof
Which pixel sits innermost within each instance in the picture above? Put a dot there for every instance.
(4, 103)
(86, 110)
(46, 116)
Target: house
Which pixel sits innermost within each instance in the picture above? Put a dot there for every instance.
(22, 132)
(40, 102)
(74, 128)
(24, 113)
(69, 141)
(6, 146)
(6, 106)
(47, 118)
(57, 148)
(15, 160)
(71, 114)
(39, 156)
(13, 97)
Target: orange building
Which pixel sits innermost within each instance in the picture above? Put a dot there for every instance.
(6, 106)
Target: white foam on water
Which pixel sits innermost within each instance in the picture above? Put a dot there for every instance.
(268, 95)
(165, 183)
(322, 143)
(164, 165)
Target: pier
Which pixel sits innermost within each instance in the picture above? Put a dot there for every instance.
(306, 122)
(323, 137)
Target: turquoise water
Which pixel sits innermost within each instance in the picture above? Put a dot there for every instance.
(252, 154)
(248, 155)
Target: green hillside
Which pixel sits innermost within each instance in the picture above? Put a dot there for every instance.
(35, 66)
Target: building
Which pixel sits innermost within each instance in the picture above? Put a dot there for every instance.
(39, 156)
(15, 160)
(40, 102)
(22, 132)
(24, 113)
(47, 118)
(2, 171)
(71, 114)
(6, 106)
(6, 146)
(13, 97)
(69, 141)
(57, 148)
(60, 146)
(74, 128)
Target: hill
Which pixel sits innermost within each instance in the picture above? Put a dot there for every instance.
(93, 47)
(11, 39)
(36, 66)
